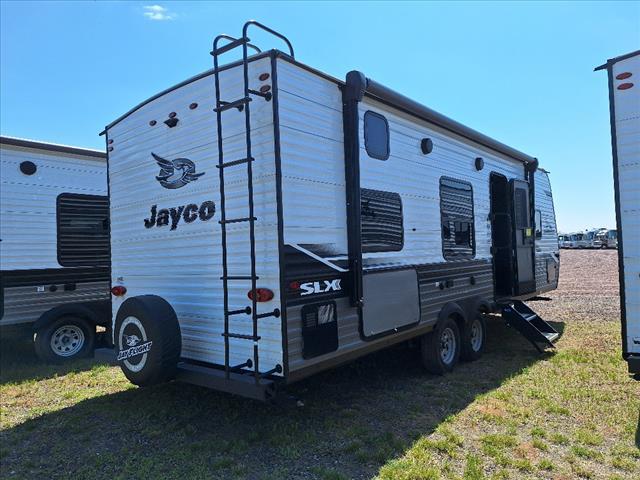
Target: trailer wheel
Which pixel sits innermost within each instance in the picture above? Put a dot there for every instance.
(440, 348)
(148, 341)
(64, 339)
(473, 338)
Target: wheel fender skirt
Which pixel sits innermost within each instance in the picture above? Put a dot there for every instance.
(450, 309)
(96, 312)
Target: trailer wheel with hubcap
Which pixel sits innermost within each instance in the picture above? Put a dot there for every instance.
(64, 339)
(147, 340)
(473, 338)
(440, 348)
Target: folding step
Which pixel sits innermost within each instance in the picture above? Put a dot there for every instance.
(237, 220)
(530, 325)
(241, 336)
(230, 46)
(222, 105)
(245, 311)
(235, 162)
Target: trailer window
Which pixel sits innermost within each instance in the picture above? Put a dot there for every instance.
(376, 135)
(381, 221)
(538, 224)
(456, 214)
(83, 230)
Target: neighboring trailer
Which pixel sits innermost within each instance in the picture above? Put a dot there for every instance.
(270, 221)
(54, 248)
(624, 108)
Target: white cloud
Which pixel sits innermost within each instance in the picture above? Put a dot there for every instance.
(156, 12)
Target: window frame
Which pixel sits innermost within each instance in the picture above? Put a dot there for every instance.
(61, 251)
(470, 220)
(368, 114)
(366, 248)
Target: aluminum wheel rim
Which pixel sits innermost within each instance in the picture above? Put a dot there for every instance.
(447, 346)
(67, 340)
(476, 335)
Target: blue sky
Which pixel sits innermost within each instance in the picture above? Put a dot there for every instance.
(519, 72)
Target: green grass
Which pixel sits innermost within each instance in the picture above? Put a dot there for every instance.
(512, 414)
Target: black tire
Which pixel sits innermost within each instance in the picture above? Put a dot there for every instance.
(433, 357)
(147, 340)
(474, 337)
(65, 339)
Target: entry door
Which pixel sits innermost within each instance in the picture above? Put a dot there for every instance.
(523, 240)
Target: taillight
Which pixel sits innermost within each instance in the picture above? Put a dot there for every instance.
(262, 294)
(118, 290)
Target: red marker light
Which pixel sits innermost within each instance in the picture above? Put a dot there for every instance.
(625, 86)
(294, 285)
(262, 294)
(118, 290)
(623, 76)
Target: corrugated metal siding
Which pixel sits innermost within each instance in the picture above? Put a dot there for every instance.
(627, 106)
(26, 304)
(184, 265)
(416, 178)
(28, 202)
(314, 193)
(546, 247)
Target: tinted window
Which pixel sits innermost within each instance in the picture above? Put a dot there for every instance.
(376, 135)
(381, 221)
(538, 224)
(83, 230)
(456, 214)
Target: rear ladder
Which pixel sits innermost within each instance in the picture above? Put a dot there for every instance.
(241, 104)
(530, 325)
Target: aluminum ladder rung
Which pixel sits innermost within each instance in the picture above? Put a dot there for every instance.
(223, 106)
(241, 336)
(235, 162)
(275, 313)
(239, 277)
(266, 95)
(237, 220)
(230, 46)
(245, 311)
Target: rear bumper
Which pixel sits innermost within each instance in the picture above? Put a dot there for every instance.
(634, 364)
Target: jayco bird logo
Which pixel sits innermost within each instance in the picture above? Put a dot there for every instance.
(176, 173)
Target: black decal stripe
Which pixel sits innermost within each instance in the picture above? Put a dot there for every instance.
(302, 268)
(47, 276)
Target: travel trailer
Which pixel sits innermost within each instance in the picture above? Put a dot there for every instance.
(54, 248)
(269, 221)
(624, 112)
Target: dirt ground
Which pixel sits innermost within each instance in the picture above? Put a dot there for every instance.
(569, 414)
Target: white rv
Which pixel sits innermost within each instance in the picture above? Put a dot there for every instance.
(54, 246)
(624, 109)
(270, 221)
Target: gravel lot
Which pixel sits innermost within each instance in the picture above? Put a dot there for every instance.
(588, 288)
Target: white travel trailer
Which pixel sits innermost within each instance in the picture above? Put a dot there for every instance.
(624, 109)
(54, 247)
(270, 221)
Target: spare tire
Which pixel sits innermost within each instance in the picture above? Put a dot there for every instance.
(147, 340)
